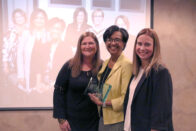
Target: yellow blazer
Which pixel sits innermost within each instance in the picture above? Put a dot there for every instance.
(119, 79)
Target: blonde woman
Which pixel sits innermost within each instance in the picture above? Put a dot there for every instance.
(148, 101)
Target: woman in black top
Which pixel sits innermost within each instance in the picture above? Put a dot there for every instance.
(77, 27)
(74, 110)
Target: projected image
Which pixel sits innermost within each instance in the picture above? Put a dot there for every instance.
(11, 40)
(39, 36)
(77, 27)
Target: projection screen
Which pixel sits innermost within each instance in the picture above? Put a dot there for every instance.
(28, 72)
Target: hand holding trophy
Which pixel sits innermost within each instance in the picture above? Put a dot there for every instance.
(97, 92)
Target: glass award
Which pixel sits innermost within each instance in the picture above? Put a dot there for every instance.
(92, 86)
(101, 91)
(105, 89)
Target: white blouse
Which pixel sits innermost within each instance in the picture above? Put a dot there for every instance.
(132, 87)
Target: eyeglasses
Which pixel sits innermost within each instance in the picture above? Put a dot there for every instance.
(116, 40)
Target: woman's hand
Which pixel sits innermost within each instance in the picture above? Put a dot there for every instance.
(95, 99)
(64, 126)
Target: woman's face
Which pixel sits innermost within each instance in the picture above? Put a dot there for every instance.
(56, 31)
(115, 44)
(19, 18)
(80, 17)
(39, 20)
(120, 22)
(144, 47)
(88, 47)
(97, 18)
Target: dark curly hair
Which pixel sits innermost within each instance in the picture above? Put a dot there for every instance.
(109, 31)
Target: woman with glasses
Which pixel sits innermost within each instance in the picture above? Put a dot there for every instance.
(115, 72)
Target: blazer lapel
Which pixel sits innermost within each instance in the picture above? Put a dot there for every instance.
(114, 69)
(139, 86)
(102, 69)
(116, 66)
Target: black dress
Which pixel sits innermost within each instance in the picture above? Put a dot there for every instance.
(71, 104)
(38, 64)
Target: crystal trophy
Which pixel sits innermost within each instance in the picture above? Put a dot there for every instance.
(92, 86)
(101, 91)
(105, 91)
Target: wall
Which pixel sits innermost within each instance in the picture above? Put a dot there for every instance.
(174, 21)
(27, 121)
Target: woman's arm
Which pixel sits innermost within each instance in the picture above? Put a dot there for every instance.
(59, 104)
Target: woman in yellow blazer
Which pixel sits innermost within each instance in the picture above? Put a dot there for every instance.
(116, 71)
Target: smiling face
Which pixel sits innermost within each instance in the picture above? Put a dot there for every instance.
(115, 44)
(39, 20)
(88, 47)
(80, 17)
(97, 18)
(19, 19)
(121, 23)
(56, 31)
(144, 48)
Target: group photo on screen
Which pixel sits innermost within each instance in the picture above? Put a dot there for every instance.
(39, 36)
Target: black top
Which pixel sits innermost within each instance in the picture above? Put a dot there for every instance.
(72, 31)
(105, 75)
(70, 103)
(151, 106)
(59, 58)
(102, 81)
(38, 64)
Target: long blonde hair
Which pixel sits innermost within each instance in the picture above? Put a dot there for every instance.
(156, 56)
(76, 62)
